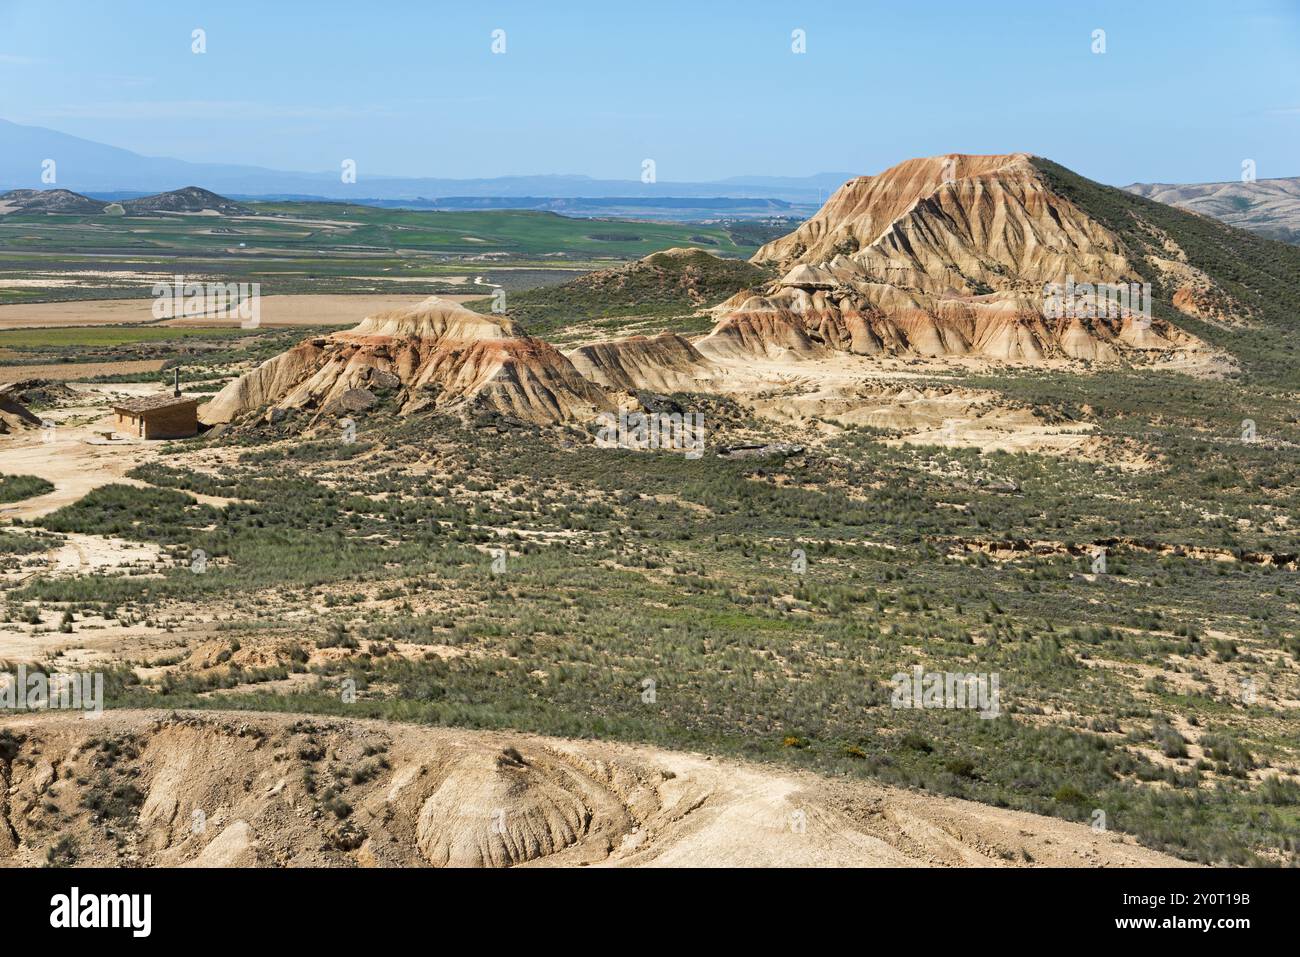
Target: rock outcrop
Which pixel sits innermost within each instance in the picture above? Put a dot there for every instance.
(14, 415)
(436, 354)
(190, 199)
(663, 363)
(169, 788)
(949, 255)
(49, 201)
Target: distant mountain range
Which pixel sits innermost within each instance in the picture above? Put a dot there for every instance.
(1270, 207)
(108, 173)
(89, 167)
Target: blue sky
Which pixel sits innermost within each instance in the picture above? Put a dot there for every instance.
(707, 88)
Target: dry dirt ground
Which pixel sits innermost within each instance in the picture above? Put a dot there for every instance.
(826, 395)
(72, 455)
(304, 310)
(272, 790)
(72, 371)
(229, 789)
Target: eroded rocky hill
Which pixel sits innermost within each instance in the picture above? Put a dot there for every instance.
(1270, 207)
(435, 355)
(951, 255)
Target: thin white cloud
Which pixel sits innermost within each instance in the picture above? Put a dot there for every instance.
(14, 59)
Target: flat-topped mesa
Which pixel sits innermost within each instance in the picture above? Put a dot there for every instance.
(949, 255)
(436, 354)
(434, 319)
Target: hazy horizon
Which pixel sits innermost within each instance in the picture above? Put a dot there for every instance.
(708, 93)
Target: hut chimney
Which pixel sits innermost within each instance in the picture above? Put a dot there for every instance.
(176, 382)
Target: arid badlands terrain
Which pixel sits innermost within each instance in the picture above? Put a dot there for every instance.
(445, 797)
(399, 605)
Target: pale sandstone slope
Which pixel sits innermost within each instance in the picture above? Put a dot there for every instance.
(437, 354)
(941, 256)
(14, 416)
(229, 789)
(665, 362)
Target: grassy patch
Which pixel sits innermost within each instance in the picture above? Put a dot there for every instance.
(15, 488)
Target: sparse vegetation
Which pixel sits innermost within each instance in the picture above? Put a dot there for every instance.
(367, 567)
(15, 488)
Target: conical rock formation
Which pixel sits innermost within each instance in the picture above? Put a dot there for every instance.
(950, 255)
(437, 354)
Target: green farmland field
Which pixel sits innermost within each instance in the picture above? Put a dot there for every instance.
(296, 247)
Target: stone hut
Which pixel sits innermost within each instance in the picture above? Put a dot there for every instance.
(166, 415)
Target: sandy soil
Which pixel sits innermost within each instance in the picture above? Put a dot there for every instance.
(886, 393)
(92, 312)
(65, 456)
(95, 554)
(227, 789)
(313, 310)
(72, 371)
(305, 310)
(97, 643)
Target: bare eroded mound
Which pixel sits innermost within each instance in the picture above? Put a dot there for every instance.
(14, 415)
(666, 363)
(436, 354)
(151, 788)
(948, 255)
